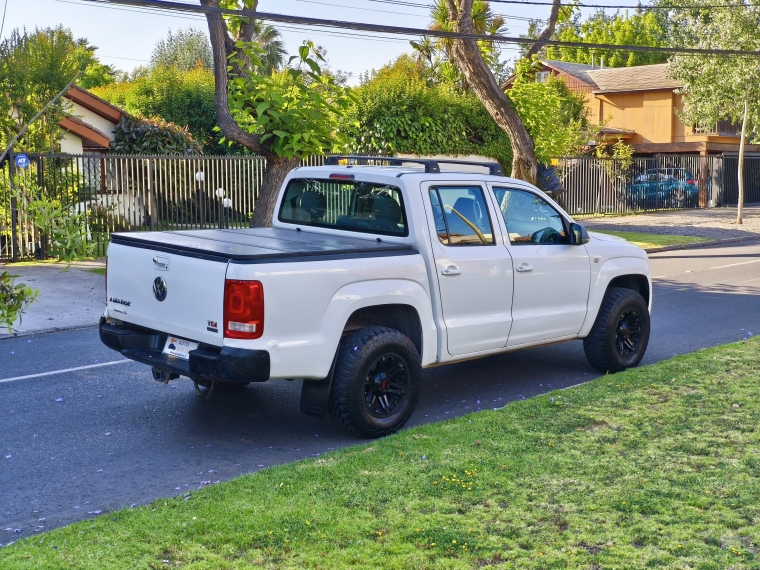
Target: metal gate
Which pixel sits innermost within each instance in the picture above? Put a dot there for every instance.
(595, 187)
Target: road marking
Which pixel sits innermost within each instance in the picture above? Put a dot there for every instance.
(63, 371)
(735, 264)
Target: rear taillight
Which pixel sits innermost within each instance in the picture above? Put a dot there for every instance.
(691, 182)
(243, 309)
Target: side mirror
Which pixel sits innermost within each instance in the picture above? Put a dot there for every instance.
(578, 235)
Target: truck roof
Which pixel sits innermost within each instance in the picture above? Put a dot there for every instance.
(398, 167)
(418, 173)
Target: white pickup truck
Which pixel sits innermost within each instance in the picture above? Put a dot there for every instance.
(369, 274)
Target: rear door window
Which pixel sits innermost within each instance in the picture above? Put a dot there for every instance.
(345, 205)
(461, 216)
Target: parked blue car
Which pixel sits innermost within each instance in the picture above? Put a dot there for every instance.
(664, 188)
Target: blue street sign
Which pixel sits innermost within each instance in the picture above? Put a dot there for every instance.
(22, 161)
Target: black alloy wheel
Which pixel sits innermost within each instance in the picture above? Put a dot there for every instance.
(620, 335)
(376, 384)
(628, 333)
(385, 385)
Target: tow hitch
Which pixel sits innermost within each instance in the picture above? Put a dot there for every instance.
(161, 376)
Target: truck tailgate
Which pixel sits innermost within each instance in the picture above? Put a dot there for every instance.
(192, 266)
(176, 294)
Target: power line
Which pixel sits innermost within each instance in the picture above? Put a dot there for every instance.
(539, 3)
(2, 26)
(200, 18)
(383, 29)
(359, 8)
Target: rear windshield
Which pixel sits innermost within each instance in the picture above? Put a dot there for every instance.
(345, 205)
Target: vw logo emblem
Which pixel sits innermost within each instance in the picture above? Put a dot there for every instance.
(159, 289)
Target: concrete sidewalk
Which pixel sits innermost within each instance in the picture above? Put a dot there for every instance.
(67, 299)
(712, 223)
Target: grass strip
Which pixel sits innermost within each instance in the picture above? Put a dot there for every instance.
(653, 467)
(653, 240)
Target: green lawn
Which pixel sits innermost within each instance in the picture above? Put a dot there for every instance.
(653, 467)
(98, 271)
(647, 241)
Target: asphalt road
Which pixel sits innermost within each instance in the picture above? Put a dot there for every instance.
(81, 443)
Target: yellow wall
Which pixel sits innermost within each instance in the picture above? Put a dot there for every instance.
(649, 113)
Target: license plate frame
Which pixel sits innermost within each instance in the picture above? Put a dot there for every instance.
(179, 347)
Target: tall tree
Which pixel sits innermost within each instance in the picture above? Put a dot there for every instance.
(283, 117)
(273, 49)
(650, 28)
(34, 67)
(467, 54)
(720, 87)
(184, 50)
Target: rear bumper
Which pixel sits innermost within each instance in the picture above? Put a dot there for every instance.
(205, 363)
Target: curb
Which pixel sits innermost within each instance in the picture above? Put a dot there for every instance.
(701, 244)
(5, 336)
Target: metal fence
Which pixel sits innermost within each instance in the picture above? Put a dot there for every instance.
(127, 193)
(596, 187)
(137, 193)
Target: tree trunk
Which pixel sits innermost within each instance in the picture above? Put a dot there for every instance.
(740, 201)
(222, 45)
(275, 173)
(481, 80)
(547, 33)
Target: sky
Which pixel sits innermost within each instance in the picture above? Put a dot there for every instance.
(125, 36)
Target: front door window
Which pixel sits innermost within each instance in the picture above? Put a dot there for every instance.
(529, 218)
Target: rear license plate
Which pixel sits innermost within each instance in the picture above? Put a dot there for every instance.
(179, 348)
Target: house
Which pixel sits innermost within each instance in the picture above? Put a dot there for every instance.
(639, 105)
(91, 123)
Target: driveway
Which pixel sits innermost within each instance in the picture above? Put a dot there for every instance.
(85, 441)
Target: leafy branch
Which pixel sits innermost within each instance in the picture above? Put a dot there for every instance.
(14, 298)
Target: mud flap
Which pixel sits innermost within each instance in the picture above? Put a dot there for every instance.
(315, 394)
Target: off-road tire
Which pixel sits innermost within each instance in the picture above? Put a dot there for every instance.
(359, 352)
(601, 345)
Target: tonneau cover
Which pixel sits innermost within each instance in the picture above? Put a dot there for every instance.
(258, 245)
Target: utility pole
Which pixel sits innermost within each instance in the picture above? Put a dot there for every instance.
(14, 205)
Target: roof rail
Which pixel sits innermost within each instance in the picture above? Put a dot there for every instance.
(431, 165)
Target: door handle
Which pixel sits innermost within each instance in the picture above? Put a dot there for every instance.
(524, 268)
(451, 270)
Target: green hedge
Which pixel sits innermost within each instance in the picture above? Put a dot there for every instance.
(398, 111)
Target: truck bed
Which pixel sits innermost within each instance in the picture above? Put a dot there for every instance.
(259, 245)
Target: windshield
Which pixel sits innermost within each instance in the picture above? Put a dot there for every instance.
(345, 205)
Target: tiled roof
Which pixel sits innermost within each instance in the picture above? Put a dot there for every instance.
(638, 78)
(577, 70)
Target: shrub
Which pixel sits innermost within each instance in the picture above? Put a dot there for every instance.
(14, 298)
(153, 136)
(179, 97)
(398, 111)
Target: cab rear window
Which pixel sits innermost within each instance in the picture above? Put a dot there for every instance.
(345, 205)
